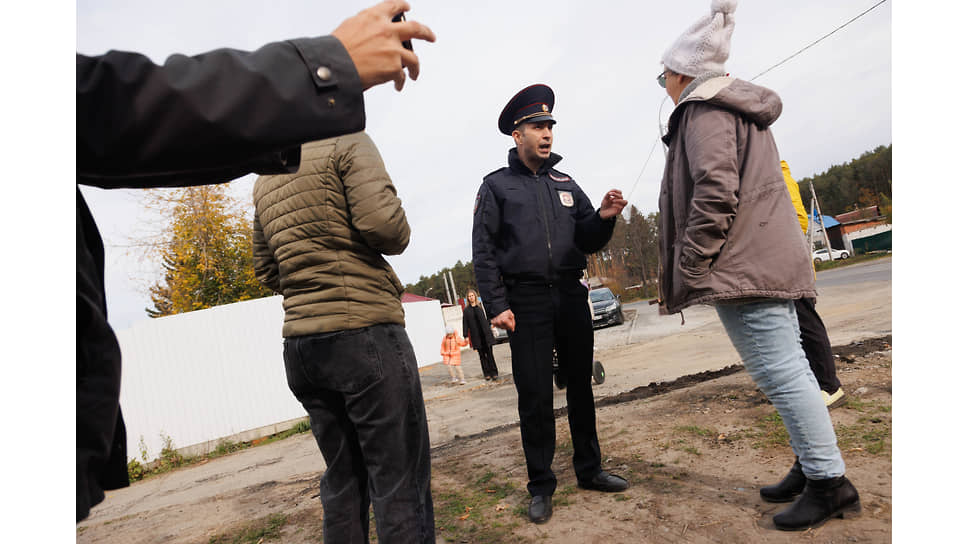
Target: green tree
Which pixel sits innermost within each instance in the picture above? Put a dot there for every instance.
(434, 286)
(206, 253)
(864, 181)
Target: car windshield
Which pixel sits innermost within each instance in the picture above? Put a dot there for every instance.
(599, 295)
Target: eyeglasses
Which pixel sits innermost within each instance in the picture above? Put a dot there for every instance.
(662, 79)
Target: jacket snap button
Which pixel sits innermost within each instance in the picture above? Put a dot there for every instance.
(324, 73)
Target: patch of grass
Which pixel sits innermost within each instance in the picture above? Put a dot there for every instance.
(564, 448)
(226, 447)
(487, 477)
(261, 530)
(620, 497)
(562, 496)
(464, 513)
(299, 428)
(872, 434)
(695, 430)
(170, 459)
(692, 450)
(771, 432)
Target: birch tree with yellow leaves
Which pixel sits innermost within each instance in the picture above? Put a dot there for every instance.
(205, 251)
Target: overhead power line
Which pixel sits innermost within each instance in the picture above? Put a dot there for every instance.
(822, 38)
(644, 165)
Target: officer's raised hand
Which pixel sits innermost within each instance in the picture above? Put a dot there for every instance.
(612, 204)
(375, 46)
(504, 320)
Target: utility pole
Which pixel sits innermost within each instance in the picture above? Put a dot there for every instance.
(826, 239)
(811, 229)
(453, 286)
(447, 287)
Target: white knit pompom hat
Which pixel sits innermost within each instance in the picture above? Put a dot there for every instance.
(704, 47)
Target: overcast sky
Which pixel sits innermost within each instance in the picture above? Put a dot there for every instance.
(439, 136)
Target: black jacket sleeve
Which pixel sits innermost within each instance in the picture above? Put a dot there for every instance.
(592, 232)
(487, 222)
(212, 117)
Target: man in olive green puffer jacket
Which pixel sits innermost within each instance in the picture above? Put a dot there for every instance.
(319, 239)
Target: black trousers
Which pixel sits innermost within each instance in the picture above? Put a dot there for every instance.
(555, 318)
(362, 391)
(488, 364)
(816, 344)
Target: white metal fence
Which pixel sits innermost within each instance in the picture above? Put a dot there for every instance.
(203, 376)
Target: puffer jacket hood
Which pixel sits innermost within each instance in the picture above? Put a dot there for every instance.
(727, 227)
(758, 104)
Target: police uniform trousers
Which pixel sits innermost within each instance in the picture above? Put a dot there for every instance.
(553, 317)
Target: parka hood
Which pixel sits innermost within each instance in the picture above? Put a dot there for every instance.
(758, 104)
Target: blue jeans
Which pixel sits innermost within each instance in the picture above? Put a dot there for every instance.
(767, 337)
(362, 392)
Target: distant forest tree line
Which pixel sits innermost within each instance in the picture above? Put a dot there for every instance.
(629, 264)
(861, 183)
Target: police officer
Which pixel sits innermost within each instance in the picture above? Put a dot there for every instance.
(533, 226)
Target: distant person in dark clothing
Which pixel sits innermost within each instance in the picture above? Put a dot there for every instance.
(478, 329)
(813, 333)
(816, 346)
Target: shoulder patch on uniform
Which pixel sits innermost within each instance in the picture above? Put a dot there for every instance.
(558, 176)
(566, 198)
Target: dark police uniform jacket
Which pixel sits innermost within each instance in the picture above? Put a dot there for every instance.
(532, 228)
(194, 120)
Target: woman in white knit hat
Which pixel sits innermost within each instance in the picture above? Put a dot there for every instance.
(729, 237)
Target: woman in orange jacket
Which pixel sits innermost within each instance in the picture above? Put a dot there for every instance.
(450, 350)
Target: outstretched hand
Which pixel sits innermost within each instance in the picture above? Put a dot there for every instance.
(504, 320)
(612, 204)
(375, 44)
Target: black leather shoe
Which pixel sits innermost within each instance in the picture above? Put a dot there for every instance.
(789, 487)
(540, 509)
(820, 501)
(603, 481)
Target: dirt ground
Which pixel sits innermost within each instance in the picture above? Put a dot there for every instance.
(696, 451)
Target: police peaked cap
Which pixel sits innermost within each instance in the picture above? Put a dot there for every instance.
(530, 105)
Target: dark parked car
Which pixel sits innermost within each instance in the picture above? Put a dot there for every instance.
(606, 307)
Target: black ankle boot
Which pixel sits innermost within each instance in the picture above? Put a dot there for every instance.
(789, 487)
(820, 501)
